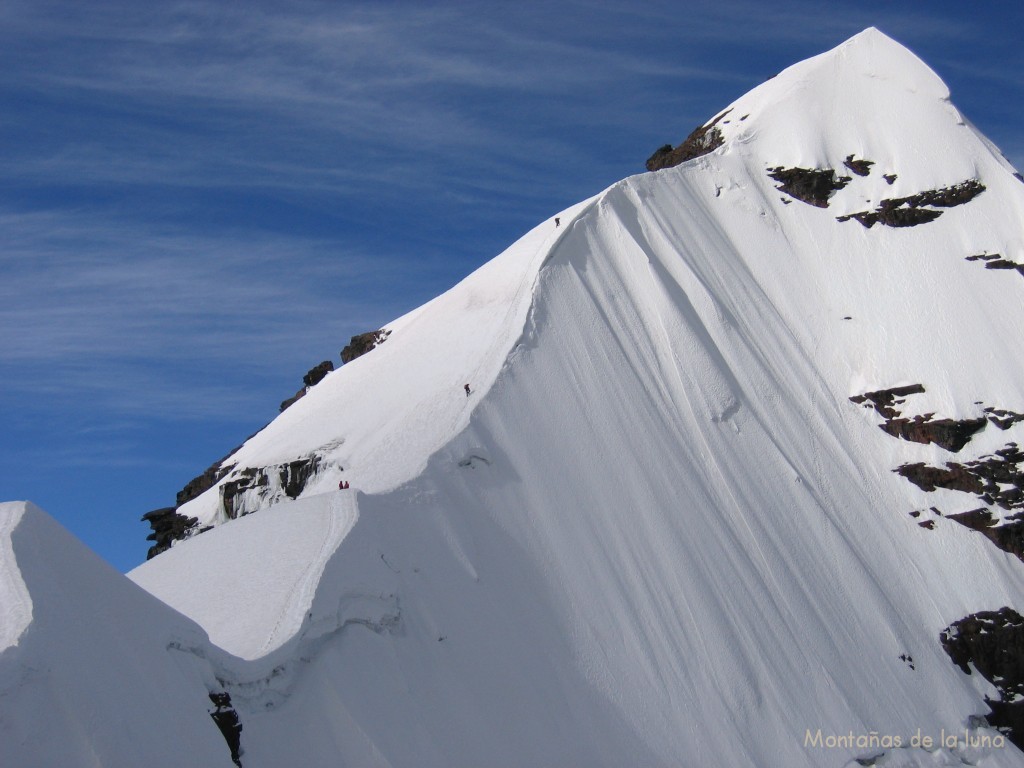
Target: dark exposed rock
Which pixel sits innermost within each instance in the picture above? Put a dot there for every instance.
(859, 167)
(1002, 418)
(813, 186)
(291, 476)
(995, 480)
(955, 477)
(313, 377)
(950, 434)
(996, 261)
(168, 526)
(1007, 535)
(286, 404)
(317, 373)
(945, 197)
(295, 474)
(363, 343)
(920, 208)
(993, 643)
(894, 217)
(884, 401)
(702, 140)
(889, 178)
(202, 483)
(226, 718)
(230, 490)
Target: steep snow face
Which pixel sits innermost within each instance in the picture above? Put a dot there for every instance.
(659, 532)
(93, 670)
(376, 420)
(15, 601)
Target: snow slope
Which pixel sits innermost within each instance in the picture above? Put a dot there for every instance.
(94, 676)
(265, 567)
(658, 532)
(376, 423)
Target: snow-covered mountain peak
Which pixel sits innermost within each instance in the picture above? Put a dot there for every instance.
(715, 467)
(870, 97)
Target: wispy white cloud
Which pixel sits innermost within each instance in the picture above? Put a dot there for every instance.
(468, 109)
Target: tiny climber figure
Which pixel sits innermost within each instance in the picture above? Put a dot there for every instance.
(343, 485)
(466, 387)
(557, 221)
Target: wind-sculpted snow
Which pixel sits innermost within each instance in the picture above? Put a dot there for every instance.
(92, 679)
(656, 531)
(15, 601)
(375, 421)
(251, 585)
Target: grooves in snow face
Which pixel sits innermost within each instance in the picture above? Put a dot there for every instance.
(658, 532)
(375, 421)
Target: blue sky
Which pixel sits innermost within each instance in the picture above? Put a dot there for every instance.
(201, 200)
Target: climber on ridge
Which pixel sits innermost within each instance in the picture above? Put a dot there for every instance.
(466, 387)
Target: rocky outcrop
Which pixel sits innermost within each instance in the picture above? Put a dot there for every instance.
(295, 474)
(1008, 536)
(1003, 418)
(226, 718)
(267, 482)
(317, 373)
(363, 343)
(996, 261)
(702, 140)
(920, 208)
(204, 482)
(813, 186)
(884, 401)
(231, 490)
(997, 481)
(992, 642)
(313, 377)
(951, 434)
(859, 167)
(168, 526)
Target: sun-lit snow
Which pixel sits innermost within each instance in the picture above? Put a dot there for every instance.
(15, 601)
(265, 569)
(97, 678)
(657, 532)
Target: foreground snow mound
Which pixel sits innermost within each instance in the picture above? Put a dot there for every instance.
(251, 585)
(15, 600)
(94, 677)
